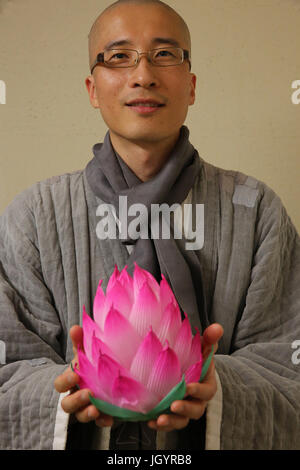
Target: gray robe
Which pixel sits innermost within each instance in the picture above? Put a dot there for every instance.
(50, 264)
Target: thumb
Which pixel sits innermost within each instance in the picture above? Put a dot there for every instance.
(211, 336)
(76, 335)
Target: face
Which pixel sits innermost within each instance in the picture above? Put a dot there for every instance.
(142, 27)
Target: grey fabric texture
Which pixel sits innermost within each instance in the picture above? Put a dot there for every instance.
(50, 265)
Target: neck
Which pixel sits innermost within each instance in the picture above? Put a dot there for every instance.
(145, 159)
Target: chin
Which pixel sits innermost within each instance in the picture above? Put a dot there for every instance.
(145, 137)
(142, 135)
(150, 134)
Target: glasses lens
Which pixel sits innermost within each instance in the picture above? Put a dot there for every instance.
(120, 58)
(167, 56)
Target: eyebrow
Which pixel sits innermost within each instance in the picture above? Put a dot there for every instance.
(128, 42)
(170, 41)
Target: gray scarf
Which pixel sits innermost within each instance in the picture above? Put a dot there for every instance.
(109, 177)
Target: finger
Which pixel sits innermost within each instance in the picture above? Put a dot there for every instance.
(87, 414)
(76, 335)
(91, 413)
(212, 334)
(104, 421)
(169, 422)
(204, 391)
(192, 409)
(210, 374)
(76, 401)
(66, 381)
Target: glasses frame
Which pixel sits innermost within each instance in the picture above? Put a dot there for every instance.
(100, 58)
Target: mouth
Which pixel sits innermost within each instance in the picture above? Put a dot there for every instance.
(145, 106)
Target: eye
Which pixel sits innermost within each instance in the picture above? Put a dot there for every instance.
(164, 53)
(118, 56)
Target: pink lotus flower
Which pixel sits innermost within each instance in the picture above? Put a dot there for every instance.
(137, 349)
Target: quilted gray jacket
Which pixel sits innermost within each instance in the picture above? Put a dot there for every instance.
(50, 265)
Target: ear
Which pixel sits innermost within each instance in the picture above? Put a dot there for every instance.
(91, 88)
(193, 89)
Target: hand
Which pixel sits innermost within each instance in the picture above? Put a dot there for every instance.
(199, 394)
(77, 402)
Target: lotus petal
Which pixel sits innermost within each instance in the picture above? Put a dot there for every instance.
(108, 370)
(166, 293)
(121, 336)
(113, 278)
(119, 298)
(130, 394)
(145, 310)
(166, 372)
(195, 352)
(140, 276)
(127, 282)
(89, 377)
(183, 341)
(193, 373)
(145, 357)
(170, 324)
(100, 348)
(90, 328)
(98, 306)
(153, 284)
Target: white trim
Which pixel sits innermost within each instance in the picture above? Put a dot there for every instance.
(61, 426)
(101, 438)
(214, 418)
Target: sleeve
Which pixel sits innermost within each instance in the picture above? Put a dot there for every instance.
(30, 334)
(257, 405)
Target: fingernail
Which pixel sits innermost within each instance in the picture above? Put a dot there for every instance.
(177, 408)
(162, 421)
(90, 413)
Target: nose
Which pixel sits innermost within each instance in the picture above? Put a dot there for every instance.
(143, 74)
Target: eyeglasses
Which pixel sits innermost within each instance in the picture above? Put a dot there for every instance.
(124, 58)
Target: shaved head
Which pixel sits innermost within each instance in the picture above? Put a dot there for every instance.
(143, 105)
(97, 26)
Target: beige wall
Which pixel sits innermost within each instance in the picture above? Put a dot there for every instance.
(246, 55)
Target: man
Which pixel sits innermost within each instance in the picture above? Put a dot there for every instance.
(245, 277)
